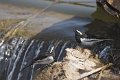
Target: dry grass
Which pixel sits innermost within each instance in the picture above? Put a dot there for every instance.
(7, 22)
(23, 33)
(7, 27)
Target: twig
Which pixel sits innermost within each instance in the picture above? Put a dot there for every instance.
(101, 72)
(94, 71)
(100, 75)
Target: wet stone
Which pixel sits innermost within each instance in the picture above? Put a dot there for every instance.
(74, 64)
(115, 3)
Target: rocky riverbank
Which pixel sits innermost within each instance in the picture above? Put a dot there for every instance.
(77, 64)
(71, 62)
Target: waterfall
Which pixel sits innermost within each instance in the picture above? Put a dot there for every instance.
(19, 52)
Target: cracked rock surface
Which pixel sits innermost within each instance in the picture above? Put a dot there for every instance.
(75, 63)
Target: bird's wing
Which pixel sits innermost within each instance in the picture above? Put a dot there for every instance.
(47, 60)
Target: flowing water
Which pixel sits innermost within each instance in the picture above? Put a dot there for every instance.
(84, 10)
(19, 52)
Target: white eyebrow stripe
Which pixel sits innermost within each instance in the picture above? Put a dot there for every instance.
(79, 32)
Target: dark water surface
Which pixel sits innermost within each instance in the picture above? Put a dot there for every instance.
(82, 10)
(19, 52)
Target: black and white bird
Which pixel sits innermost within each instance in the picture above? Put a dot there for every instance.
(45, 58)
(84, 40)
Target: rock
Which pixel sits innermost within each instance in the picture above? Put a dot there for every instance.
(111, 6)
(115, 3)
(75, 63)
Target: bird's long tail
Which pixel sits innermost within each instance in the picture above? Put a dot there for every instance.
(27, 66)
(108, 39)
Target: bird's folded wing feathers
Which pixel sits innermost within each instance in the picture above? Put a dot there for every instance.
(47, 60)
